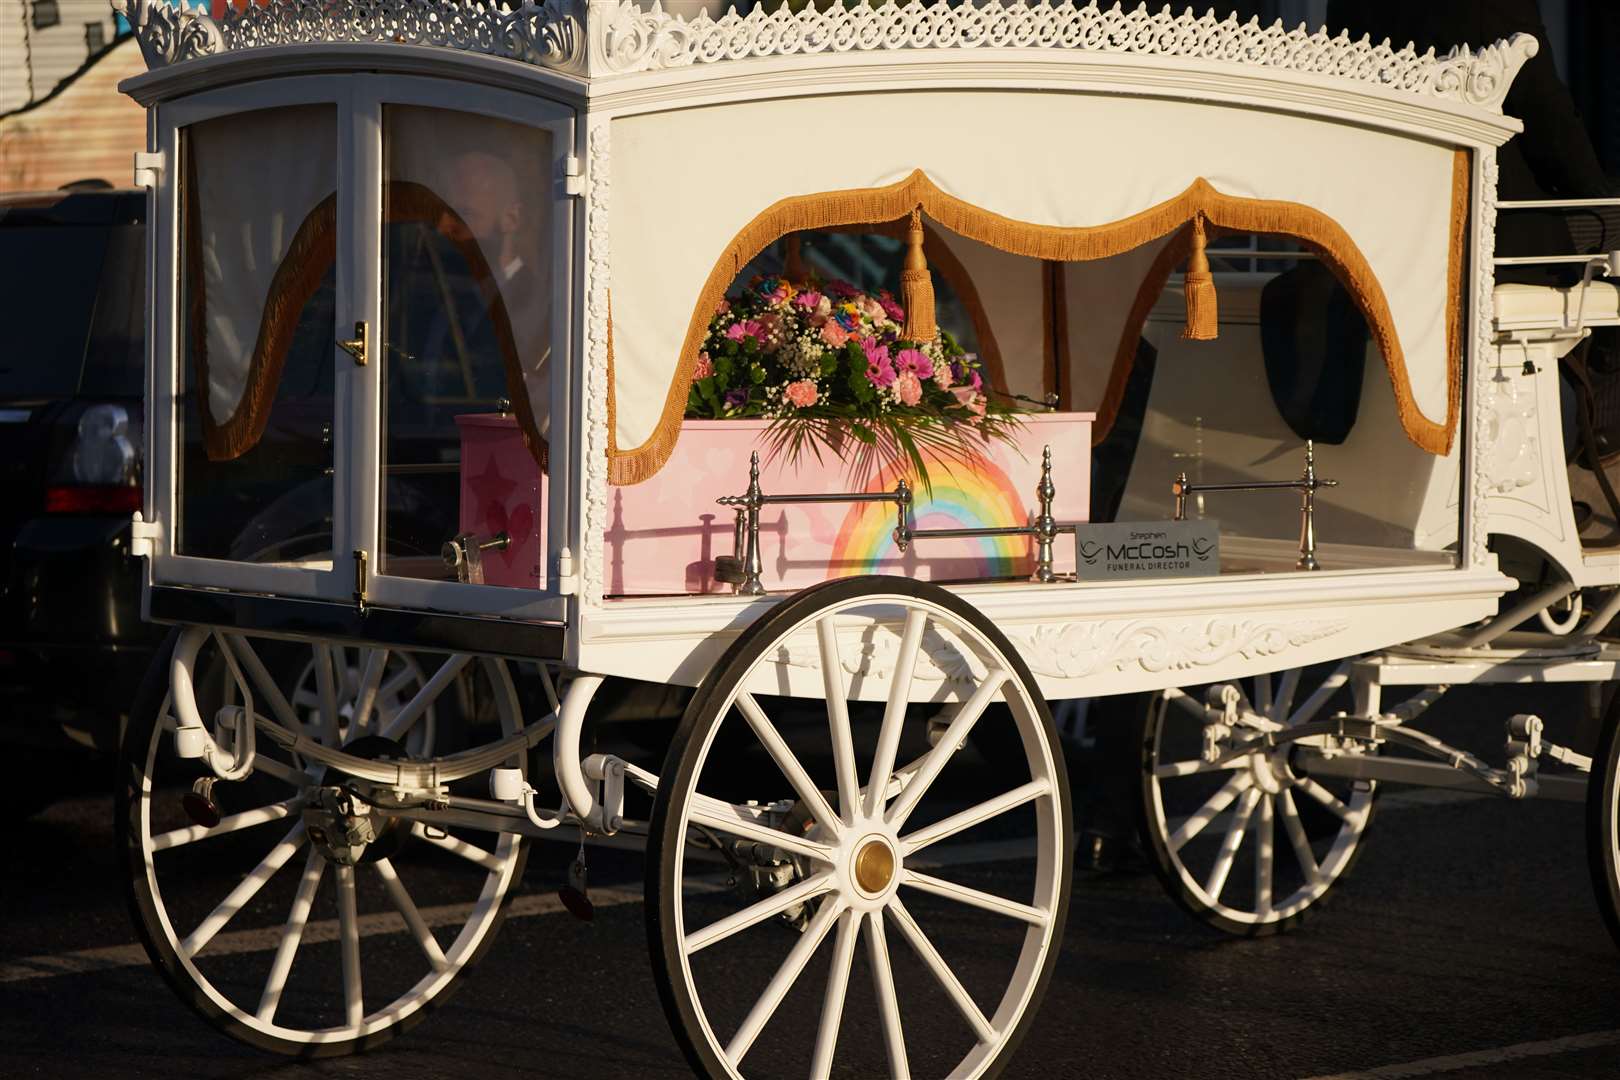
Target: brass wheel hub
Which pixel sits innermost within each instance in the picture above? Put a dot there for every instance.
(874, 866)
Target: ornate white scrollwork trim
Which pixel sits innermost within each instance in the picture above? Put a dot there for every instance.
(1077, 650)
(1485, 431)
(604, 37)
(598, 325)
(1081, 649)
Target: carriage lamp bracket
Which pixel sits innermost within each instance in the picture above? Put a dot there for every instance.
(1306, 485)
(743, 569)
(230, 750)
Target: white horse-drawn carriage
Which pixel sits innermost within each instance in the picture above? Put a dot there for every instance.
(407, 565)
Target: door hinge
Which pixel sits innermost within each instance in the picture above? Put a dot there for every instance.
(573, 176)
(144, 536)
(148, 168)
(567, 573)
(360, 581)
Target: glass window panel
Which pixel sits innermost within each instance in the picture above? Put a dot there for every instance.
(466, 293)
(257, 327)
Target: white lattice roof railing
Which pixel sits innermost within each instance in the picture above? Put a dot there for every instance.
(608, 37)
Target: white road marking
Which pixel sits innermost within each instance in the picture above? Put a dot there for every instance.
(1452, 1063)
(113, 957)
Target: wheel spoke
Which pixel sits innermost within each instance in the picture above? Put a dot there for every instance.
(247, 819)
(242, 649)
(935, 760)
(349, 944)
(1313, 704)
(1323, 796)
(1187, 704)
(1233, 840)
(390, 689)
(973, 815)
(291, 935)
(950, 890)
(1296, 836)
(1262, 695)
(786, 760)
(894, 1037)
(732, 820)
(1209, 811)
(1265, 835)
(757, 912)
(245, 890)
(832, 1003)
(1173, 769)
(366, 699)
(327, 689)
(942, 972)
(455, 846)
(1285, 695)
(413, 918)
(843, 745)
(413, 710)
(781, 982)
(894, 712)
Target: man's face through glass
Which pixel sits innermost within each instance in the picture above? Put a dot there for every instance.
(483, 190)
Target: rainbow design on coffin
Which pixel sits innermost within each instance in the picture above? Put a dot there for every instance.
(964, 497)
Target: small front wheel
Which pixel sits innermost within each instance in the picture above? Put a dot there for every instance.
(860, 837)
(1603, 820)
(296, 933)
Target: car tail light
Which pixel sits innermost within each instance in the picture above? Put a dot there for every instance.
(92, 499)
(101, 472)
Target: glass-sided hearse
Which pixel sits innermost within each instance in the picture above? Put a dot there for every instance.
(876, 375)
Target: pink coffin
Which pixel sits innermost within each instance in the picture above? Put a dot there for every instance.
(663, 534)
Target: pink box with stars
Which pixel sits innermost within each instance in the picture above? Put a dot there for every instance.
(662, 535)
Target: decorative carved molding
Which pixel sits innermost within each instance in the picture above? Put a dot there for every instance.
(548, 34)
(598, 326)
(1077, 650)
(606, 37)
(1485, 432)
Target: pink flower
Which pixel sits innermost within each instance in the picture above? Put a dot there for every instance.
(879, 368)
(722, 307)
(892, 309)
(704, 367)
(969, 399)
(916, 362)
(809, 299)
(801, 393)
(747, 328)
(942, 376)
(833, 334)
(908, 387)
(870, 308)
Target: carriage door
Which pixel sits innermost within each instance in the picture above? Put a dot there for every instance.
(248, 444)
(463, 252)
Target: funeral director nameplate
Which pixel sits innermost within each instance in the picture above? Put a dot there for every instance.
(1151, 549)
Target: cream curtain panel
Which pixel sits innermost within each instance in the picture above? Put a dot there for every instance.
(686, 184)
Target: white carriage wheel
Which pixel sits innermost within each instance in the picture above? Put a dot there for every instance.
(265, 962)
(848, 869)
(1603, 820)
(402, 677)
(1212, 829)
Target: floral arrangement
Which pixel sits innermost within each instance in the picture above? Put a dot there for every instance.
(830, 364)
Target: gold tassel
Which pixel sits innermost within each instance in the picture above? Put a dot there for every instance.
(917, 287)
(793, 268)
(1203, 315)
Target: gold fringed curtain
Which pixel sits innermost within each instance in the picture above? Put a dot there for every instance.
(873, 206)
(310, 255)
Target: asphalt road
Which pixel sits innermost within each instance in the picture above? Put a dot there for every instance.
(1466, 944)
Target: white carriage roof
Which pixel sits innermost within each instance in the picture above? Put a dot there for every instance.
(597, 39)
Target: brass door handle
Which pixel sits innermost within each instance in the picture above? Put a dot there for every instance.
(358, 346)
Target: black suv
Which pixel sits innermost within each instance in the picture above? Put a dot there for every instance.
(72, 644)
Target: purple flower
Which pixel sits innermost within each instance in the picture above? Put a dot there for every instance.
(735, 399)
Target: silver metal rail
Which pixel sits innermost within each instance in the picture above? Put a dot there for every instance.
(1306, 485)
